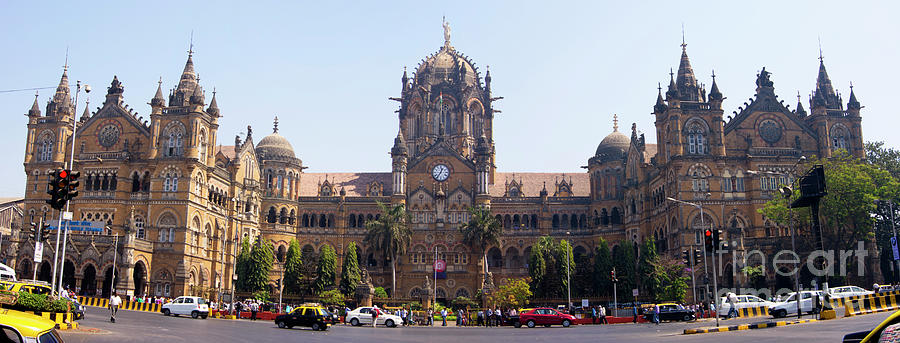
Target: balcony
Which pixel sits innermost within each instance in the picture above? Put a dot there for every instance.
(91, 156)
(140, 196)
(100, 194)
(775, 152)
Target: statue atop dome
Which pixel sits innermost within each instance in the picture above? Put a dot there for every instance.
(446, 25)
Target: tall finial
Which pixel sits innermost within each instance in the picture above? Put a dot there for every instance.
(683, 44)
(851, 86)
(821, 59)
(191, 48)
(66, 66)
(615, 122)
(659, 86)
(275, 127)
(714, 75)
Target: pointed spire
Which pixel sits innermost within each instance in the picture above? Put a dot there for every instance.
(824, 94)
(714, 93)
(213, 105)
(87, 112)
(35, 111)
(399, 147)
(686, 83)
(405, 79)
(188, 77)
(275, 125)
(61, 103)
(615, 122)
(800, 111)
(672, 91)
(197, 97)
(853, 104)
(158, 100)
(115, 87)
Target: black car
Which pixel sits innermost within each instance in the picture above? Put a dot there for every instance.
(316, 318)
(671, 312)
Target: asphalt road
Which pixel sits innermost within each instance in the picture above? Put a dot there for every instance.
(154, 327)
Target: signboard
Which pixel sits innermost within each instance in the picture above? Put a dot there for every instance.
(85, 226)
(584, 303)
(38, 251)
(440, 269)
(894, 248)
(634, 292)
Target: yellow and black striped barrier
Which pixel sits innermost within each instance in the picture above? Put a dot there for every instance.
(64, 321)
(126, 305)
(746, 326)
(753, 311)
(844, 302)
(871, 303)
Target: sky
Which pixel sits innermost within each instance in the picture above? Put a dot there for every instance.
(327, 68)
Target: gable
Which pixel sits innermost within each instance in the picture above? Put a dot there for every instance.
(440, 148)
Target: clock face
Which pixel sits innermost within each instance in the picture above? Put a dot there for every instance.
(108, 135)
(440, 172)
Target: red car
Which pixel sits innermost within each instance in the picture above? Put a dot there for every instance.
(544, 316)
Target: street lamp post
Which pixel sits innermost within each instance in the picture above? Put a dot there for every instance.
(715, 282)
(568, 278)
(890, 204)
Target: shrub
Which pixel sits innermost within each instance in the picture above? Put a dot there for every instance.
(41, 303)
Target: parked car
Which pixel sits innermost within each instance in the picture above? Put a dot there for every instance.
(28, 327)
(884, 289)
(363, 316)
(789, 305)
(314, 317)
(186, 305)
(743, 301)
(30, 286)
(847, 291)
(670, 312)
(874, 335)
(544, 316)
(7, 273)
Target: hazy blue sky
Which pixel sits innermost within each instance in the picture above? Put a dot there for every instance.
(327, 68)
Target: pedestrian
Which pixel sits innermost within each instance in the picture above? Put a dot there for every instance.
(603, 315)
(488, 317)
(254, 308)
(479, 318)
(497, 316)
(114, 302)
(656, 314)
(732, 302)
(375, 313)
(444, 317)
(594, 315)
(634, 313)
(430, 317)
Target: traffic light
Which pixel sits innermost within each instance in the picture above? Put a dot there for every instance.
(697, 255)
(45, 232)
(708, 239)
(72, 190)
(719, 239)
(612, 275)
(34, 232)
(685, 256)
(59, 188)
(278, 283)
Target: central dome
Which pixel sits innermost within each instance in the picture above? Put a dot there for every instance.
(447, 64)
(275, 146)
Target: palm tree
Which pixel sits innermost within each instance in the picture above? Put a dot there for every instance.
(390, 234)
(481, 231)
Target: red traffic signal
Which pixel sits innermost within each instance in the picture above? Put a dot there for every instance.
(62, 173)
(708, 233)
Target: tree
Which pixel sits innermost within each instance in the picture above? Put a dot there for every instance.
(326, 269)
(885, 158)
(623, 255)
(350, 270)
(482, 230)
(380, 293)
(547, 267)
(260, 264)
(242, 266)
(603, 265)
(649, 276)
(332, 297)
(390, 234)
(513, 292)
(293, 264)
(462, 302)
(564, 259)
(846, 212)
(670, 284)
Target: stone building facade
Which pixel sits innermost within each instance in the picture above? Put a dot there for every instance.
(179, 201)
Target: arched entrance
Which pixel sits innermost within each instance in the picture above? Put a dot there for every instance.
(108, 281)
(140, 278)
(25, 269)
(728, 275)
(89, 282)
(68, 280)
(46, 273)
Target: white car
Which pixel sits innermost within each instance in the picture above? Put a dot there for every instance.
(847, 291)
(7, 273)
(743, 301)
(789, 305)
(363, 316)
(193, 306)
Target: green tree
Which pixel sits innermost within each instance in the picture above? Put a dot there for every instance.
(332, 297)
(380, 293)
(482, 230)
(542, 268)
(326, 269)
(242, 266)
(260, 264)
(350, 270)
(390, 234)
(885, 158)
(564, 259)
(293, 264)
(650, 279)
(671, 282)
(513, 292)
(603, 265)
(625, 263)
(462, 302)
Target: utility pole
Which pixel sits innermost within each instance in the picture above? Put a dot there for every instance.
(112, 284)
(715, 284)
(568, 278)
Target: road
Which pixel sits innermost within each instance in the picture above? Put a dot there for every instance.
(153, 327)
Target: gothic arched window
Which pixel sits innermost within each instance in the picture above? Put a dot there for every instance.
(45, 147)
(839, 138)
(202, 146)
(696, 137)
(174, 140)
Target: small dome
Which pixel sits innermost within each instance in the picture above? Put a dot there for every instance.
(275, 146)
(446, 62)
(614, 145)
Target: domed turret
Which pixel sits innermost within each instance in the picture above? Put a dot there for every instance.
(275, 146)
(614, 145)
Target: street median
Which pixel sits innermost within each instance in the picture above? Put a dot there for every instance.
(763, 325)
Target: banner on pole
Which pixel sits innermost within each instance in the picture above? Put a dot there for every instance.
(894, 248)
(440, 269)
(86, 226)
(38, 251)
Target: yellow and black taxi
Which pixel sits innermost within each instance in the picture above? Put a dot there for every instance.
(21, 327)
(315, 317)
(887, 331)
(30, 286)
